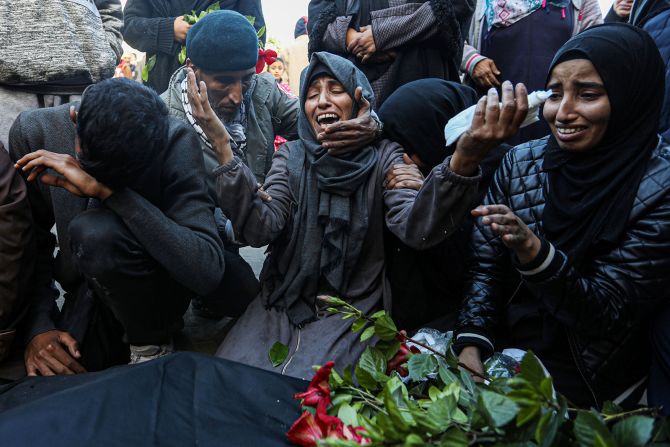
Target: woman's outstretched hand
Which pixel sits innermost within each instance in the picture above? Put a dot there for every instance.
(514, 233)
(491, 126)
(206, 118)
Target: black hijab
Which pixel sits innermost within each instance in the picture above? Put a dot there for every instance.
(320, 251)
(590, 194)
(416, 113)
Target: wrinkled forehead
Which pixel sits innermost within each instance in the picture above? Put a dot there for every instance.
(324, 79)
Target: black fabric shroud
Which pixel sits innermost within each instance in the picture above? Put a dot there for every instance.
(416, 113)
(331, 220)
(643, 10)
(590, 193)
(178, 400)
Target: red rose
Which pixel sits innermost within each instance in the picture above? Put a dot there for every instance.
(401, 357)
(318, 390)
(265, 57)
(305, 431)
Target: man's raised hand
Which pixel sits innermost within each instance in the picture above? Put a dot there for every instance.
(206, 118)
(69, 174)
(343, 137)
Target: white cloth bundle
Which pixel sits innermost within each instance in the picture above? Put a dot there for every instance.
(461, 122)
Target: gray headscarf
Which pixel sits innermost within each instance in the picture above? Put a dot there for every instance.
(320, 249)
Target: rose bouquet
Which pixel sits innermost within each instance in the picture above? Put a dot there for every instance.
(403, 392)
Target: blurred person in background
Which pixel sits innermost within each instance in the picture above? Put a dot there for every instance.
(158, 28)
(50, 54)
(296, 57)
(620, 11)
(393, 41)
(517, 40)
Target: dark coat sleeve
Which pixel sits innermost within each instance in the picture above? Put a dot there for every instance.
(145, 30)
(489, 264)
(41, 299)
(16, 240)
(181, 236)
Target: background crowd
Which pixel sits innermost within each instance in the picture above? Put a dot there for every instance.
(125, 202)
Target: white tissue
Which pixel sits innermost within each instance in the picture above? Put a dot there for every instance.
(461, 122)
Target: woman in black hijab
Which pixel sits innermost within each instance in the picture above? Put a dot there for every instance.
(428, 283)
(392, 42)
(572, 252)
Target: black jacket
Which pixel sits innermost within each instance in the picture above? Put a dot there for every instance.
(603, 309)
(148, 27)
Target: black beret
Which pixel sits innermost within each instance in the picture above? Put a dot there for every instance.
(222, 41)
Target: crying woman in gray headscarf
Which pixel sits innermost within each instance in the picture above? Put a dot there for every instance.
(325, 223)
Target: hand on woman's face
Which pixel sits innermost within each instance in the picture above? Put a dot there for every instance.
(578, 110)
(327, 102)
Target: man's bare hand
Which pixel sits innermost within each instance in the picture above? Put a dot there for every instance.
(180, 28)
(490, 127)
(343, 137)
(69, 174)
(485, 73)
(52, 352)
(206, 118)
(404, 176)
(471, 358)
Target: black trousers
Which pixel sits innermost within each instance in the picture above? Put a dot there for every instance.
(127, 297)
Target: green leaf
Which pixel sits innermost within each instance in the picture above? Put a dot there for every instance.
(358, 324)
(261, 32)
(434, 393)
(547, 388)
(610, 408)
(546, 430)
(278, 353)
(454, 437)
(586, 425)
(214, 7)
(182, 55)
(332, 300)
(500, 409)
(447, 376)
(441, 412)
(527, 414)
(151, 62)
(420, 365)
(531, 369)
(341, 398)
(335, 380)
(388, 348)
(347, 375)
(348, 415)
(371, 365)
(413, 440)
(378, 314)
(368, 333)
(633, 431)
(251, 19)
(385, 328)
